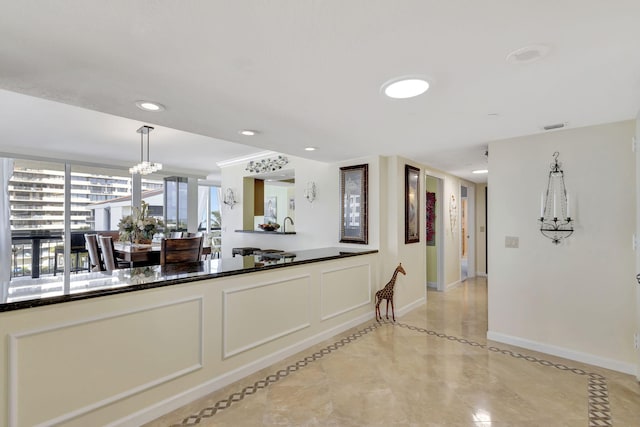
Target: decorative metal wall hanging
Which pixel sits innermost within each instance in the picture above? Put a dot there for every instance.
(453, 213)
(267, 165)
(229, 198)
(311, 192)
(555, 211)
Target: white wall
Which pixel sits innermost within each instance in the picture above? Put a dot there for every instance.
(576, 299)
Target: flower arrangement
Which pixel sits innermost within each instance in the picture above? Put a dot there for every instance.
(138, 227)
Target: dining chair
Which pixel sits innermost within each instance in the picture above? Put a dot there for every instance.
(186, 249)
(78, 250)
(95, 262)
(176, 235)
(108, 254)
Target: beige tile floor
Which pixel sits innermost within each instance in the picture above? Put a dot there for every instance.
(404, 375)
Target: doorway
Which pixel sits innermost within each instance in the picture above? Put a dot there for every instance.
(435, 232)
(637, 139)
(467, 241)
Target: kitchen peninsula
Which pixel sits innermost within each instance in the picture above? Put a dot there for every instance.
(123, 348)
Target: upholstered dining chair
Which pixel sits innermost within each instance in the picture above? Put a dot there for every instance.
(186, 249)
(95, 262)
(108, 254)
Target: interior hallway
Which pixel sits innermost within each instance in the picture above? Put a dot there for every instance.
(431, 368)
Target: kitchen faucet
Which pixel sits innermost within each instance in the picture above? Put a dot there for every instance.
(284, 223)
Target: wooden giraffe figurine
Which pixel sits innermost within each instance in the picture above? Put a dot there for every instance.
(387, 293)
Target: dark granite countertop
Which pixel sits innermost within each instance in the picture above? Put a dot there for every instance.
(38, 292)
(266, 232)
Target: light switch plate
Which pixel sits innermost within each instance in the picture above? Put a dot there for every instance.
(511, 242)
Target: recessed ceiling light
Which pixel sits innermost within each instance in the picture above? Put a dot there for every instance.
(149, 106)
(310, 149)
(405, 87)
(479, 171)
(528, 54)
(248, 132)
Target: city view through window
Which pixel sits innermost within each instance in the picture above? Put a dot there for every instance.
(99, 199)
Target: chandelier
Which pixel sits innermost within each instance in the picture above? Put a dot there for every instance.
(145, 166)
(267, 165)
(555, 211)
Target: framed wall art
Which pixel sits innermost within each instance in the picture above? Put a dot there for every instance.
(354, 206)
(431, 218)
(271, 210)
(411, 204)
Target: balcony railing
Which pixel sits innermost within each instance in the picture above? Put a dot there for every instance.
(33, 255)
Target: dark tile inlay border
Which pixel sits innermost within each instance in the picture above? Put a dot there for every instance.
(270, 379)
(599, 411)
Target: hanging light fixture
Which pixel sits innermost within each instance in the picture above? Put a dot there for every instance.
(145, 167)
(555, 210)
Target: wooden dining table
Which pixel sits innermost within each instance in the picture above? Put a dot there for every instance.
(140, 254)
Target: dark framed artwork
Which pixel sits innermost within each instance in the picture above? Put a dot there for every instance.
(411, 204)
(354, 206)
(431, 218)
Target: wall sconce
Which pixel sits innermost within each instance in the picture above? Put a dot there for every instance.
(453, 213)
(229, 198)
(311, 192)
(555, 211)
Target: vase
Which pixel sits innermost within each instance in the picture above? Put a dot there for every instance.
(141, 241)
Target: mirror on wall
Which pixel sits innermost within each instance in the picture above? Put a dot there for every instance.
(273, 199)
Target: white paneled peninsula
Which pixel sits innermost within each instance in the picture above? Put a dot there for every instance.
(122, 349)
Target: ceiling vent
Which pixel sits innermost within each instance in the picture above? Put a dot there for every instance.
(556, 126)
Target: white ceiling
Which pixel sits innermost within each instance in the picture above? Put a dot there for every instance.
(308, 73)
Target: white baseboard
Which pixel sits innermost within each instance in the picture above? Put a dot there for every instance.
(452, 285)
(407, 308)
(481, 274)
(432, 285)
(174, 402)
(591, 359)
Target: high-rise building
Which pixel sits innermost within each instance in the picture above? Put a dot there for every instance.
(37, 197)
